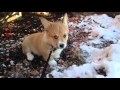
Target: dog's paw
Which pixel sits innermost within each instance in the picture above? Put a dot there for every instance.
(30, 56)
(52, 63)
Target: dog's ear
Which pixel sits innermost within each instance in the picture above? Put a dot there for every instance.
(65, 19)
(45, 22)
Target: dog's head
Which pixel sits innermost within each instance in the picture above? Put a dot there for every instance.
(57, 32)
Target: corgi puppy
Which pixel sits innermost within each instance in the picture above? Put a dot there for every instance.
(54, 36)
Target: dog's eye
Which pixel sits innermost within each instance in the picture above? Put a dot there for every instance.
(64, 35)
(55, 37)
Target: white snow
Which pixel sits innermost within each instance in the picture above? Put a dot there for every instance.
(108, 57)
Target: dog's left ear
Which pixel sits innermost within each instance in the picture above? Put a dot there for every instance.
(65, 19)
(45, 22)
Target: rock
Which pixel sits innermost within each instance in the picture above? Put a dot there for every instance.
(0, 44)
(13, 45)
(60, 61)
(12, 62)
(1, 52)
(12, 75)
(3, 42)
(7, 51)
(7, 54)
(7, 41)
(8, 66)
(1, 49)
(37, 77)
(1, 76)
(12, 40)
(34, 72)
(34, 30)
(7, 45)
(3, 65)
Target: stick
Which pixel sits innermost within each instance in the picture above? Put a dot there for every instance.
(43, 73)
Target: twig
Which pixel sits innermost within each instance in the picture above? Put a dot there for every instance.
(43, 73)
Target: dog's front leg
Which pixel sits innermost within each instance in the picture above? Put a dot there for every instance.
(30, 56)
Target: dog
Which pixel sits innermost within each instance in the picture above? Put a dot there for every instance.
(55, 35)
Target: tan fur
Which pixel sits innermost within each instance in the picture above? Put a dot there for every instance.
(40, 43)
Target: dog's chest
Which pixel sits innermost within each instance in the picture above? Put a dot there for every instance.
(57, 53)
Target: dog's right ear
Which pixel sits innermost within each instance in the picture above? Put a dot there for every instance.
(45, 22)
(65, 19)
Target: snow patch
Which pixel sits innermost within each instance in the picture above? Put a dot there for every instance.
(103, 28)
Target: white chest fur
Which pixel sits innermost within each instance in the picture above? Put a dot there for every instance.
(57, 53)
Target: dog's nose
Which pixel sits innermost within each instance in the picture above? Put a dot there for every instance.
(61, 45)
